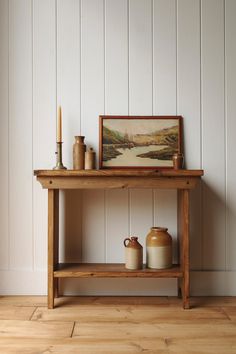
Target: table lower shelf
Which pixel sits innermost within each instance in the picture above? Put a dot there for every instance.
(112, 270)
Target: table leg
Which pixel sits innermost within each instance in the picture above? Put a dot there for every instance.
(53, 231)
(183, 240)
(185, 247)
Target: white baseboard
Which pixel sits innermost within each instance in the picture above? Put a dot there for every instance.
(203, 283)
(125, 286)
(13, 282)
(213, 283)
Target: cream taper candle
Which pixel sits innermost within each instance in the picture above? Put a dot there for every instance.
(59, 126)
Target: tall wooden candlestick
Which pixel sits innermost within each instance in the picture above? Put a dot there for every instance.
(59, 164)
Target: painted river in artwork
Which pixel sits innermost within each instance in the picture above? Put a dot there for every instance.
(129, 157)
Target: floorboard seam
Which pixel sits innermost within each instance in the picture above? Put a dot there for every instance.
(72, 331)
(32, 314)
(226, 314)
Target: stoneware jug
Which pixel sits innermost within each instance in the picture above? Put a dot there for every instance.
(178, 161)
(90, 159)
(79, 149)
(159, 248)
(133, 253)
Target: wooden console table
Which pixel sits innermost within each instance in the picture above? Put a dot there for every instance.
(182, 180)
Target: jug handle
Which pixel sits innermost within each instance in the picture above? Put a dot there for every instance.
(126, 239)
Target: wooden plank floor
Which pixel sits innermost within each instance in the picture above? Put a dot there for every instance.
(117, 325)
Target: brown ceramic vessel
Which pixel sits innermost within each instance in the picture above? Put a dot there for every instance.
(159, 248)
(133, 253)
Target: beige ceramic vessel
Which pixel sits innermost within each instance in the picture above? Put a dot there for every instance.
(159, 248)
(90, 159)
(133, 253)
(79, 149)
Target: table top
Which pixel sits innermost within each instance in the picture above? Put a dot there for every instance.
(120, 173)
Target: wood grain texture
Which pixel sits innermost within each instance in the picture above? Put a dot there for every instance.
(33, 329)
(102, 270)
(119, 173)
(185, 248)
(117, 182)
(53, 244)
(72, 346)
(183, 238)
(110, 270)
(140, 315)
(32, 301)
(150, 330)
(231, 313)
(121, 325)
(41, 301)
(10, 312)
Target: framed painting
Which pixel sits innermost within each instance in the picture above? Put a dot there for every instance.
(139, 142)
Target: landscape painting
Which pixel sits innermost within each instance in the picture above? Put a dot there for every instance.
(139, 142)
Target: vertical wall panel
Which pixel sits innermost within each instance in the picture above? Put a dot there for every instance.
(68, 96)
(116, 57)
(93, 243)
(140, 57)
(165, 207)
(92, 95)
(230, 51)
(188, 73)
(213, 134)
(116, 102)
(4, 133)
(164, 57)
(164, 98)
(92, 68)
(117, 222)
(44, 115)
(20, 137)
(141, 214)
(140, 101)
(70, 226)
(68, 72)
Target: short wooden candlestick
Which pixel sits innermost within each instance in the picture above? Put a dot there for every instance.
(59, 164)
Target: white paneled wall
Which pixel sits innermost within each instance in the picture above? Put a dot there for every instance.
(230, 127)
(137, 57)
(189, 104)
(20, 140)
(4, 128)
